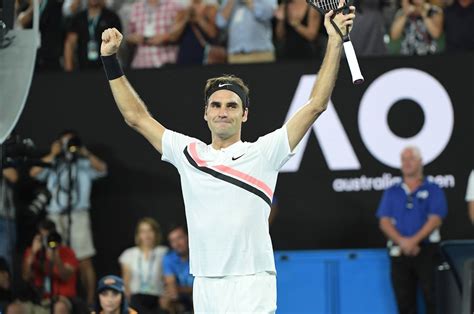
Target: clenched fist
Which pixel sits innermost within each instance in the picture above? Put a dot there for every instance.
(111, 39)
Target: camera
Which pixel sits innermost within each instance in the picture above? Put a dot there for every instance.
(70, 148)
(72, 145)
(40, 200)
(53, 240)
(18, 150)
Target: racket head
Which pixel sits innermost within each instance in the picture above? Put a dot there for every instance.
(324, 6)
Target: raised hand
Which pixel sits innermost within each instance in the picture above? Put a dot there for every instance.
(111, 39)
(36, 245)
(343, 22)
(280, 13)
(407, 7)
(55, 148)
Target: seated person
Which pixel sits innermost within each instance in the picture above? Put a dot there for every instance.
(110, 297)
(178, 280)
(142, 267)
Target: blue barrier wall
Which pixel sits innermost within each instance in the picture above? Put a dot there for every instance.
(334, 282)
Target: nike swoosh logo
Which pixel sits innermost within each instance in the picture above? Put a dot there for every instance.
(225, 84)
(235, 158)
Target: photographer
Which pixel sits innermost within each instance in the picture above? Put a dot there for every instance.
(418, 24)
(69, 180)
(49, 265)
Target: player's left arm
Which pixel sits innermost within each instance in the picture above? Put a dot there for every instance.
(302, 120)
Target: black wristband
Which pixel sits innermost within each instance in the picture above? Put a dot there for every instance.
(112, 67)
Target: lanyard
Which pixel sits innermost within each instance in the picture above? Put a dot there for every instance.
(64, 183)
(146, 283)
(92, 23)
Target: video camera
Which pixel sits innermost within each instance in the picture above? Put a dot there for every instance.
(18, 151)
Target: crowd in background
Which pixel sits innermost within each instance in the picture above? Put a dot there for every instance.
(55, 273)
(187, 32)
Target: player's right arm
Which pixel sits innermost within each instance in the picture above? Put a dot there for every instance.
(133, 109)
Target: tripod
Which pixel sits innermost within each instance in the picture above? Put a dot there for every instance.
(67, 162)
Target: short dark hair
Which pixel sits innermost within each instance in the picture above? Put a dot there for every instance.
(174, 227)
(47, 224)
(229, 79)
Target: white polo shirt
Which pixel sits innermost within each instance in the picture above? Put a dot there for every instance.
(227, 195)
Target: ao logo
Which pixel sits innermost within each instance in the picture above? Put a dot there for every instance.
(375, 104)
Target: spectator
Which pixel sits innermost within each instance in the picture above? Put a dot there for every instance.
(410, 215)
(368, 31)
(5, 285)
(72, 7)
(458, 26)
(142, 267)
(7, 215)
(178, 280)
(51, 32)
(249, 29)
(68, 153)
(150, 27)
(50, 265)
(419, 24)
(110, 298)
(297, 28)
(196, 30)
(470, 196)
(85, 33)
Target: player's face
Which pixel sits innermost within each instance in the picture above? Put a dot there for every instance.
(179, 241)
(411, 163)
(110, 301)
(146, 235)
(224, 114)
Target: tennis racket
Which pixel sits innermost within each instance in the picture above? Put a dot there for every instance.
(324, 6)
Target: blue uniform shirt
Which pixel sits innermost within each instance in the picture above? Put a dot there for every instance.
(173, 265)
(248, 30)
(410, 211)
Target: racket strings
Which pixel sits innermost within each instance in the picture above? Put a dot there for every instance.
(326, 5)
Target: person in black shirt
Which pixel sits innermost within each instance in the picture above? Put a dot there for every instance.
(85, 34)
(458, 26)
(51, 30)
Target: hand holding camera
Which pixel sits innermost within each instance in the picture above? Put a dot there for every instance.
(407, 7)
(55, 148)
(36, 245)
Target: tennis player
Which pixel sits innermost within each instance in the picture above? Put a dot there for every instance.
(228, 185)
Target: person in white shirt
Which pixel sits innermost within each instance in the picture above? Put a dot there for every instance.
(142, 270)
(228, 185)
(470, 196)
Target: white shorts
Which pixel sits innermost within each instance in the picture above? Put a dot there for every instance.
(235, 294)
(81, 234)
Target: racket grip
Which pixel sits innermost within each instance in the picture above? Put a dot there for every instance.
(351, 57)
